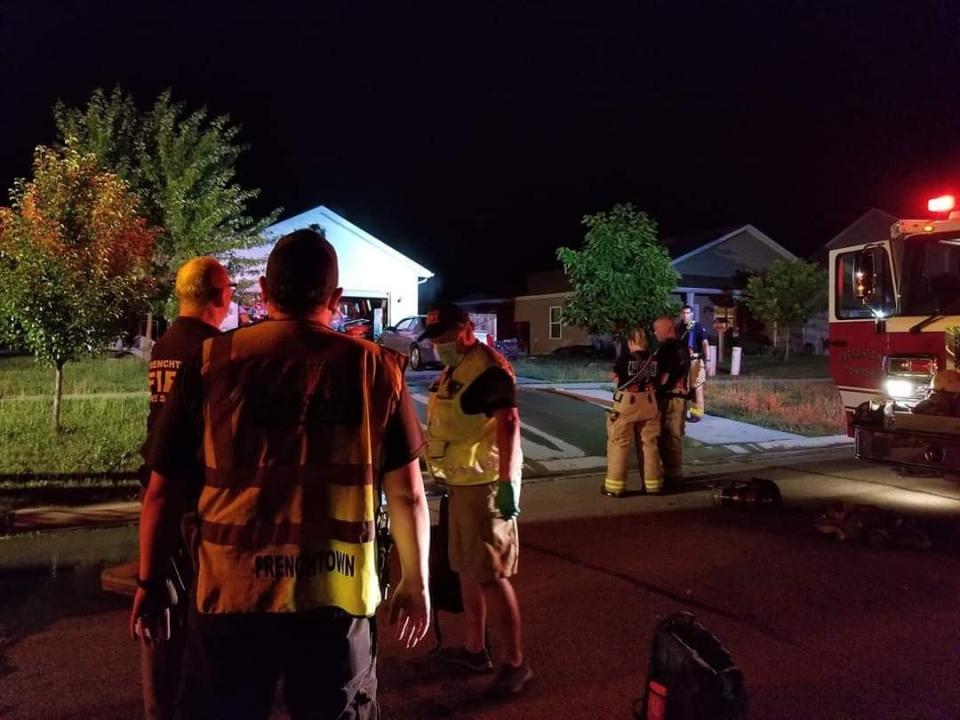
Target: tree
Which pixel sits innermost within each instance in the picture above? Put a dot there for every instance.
(622, 277)
(787, 294)
(183, 167)
(74, 260)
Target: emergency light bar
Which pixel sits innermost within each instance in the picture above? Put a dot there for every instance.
(923, 227)
(943, 204)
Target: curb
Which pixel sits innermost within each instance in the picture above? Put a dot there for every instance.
(62, 517)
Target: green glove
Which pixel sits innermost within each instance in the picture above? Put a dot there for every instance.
(506, 501)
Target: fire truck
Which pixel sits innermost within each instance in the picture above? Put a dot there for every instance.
(894, 323)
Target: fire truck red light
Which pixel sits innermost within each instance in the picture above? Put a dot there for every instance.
(944, 203)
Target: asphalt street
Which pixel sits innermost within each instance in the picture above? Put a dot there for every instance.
(821, 628)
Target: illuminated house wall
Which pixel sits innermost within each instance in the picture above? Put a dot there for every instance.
(369, 268)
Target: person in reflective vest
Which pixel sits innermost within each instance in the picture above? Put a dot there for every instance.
(473, 429)
(298, 428)
(694, 336)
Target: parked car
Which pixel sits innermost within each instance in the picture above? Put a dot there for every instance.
(403, 338)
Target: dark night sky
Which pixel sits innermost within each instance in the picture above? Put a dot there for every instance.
(474, 136)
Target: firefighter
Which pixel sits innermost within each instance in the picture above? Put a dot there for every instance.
(203, 290)
(694, 336)
(298, 427)
(673, 367)
(635, 414)
(473, 429)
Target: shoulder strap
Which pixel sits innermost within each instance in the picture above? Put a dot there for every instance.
(638, 374)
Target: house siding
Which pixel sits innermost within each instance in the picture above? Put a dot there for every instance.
(742, 253)
(536, 311)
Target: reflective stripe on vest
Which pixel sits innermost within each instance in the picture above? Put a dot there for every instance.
(293, 420)
(463, 448)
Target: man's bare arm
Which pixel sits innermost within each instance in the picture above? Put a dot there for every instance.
(508, 439)
(159, 524)
(410, 527)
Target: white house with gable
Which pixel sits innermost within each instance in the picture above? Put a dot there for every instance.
(379, 284)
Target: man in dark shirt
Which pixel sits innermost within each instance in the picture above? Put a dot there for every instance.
(299, 427)
(673, 366)
(694, 336)
(203, 290)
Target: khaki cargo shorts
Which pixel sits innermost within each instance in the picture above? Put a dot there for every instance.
(483, 546)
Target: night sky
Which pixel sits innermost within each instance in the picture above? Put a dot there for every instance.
(474, 136)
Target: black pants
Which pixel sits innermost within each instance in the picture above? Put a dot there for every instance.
(325, 657)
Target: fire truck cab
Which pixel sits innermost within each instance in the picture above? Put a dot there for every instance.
(894, 317)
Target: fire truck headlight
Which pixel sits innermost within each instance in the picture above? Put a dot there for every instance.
(899, 389)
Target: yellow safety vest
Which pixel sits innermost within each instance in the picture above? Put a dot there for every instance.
(463, 448)
(293, 430)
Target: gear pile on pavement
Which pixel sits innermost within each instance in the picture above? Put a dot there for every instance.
(869, 523)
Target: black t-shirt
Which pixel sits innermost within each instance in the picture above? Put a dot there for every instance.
(494, 389)
(178, 345)
(179, 431)
(629, 364)
(692, 337)
(674, 360)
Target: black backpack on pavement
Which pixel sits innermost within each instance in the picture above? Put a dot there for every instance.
(692, 675)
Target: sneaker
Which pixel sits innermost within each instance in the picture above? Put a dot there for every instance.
(478, 662)
(510, 680)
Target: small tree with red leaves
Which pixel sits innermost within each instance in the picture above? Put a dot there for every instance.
(74, 260)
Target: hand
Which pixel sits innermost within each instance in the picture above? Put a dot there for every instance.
(507, 501)
(150, 618)
(410, 612)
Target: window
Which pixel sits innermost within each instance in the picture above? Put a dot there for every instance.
(556, 327)
(847, 305)
(932, 268)
(405, 324)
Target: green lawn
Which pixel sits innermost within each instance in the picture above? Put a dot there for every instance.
(98, 435)
(24, 376)
(800, 366)
(554, 369)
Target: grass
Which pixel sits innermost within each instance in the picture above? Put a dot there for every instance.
(554, 369)
(800, 366)
(98, 435)
(803, 408)
(24, 376)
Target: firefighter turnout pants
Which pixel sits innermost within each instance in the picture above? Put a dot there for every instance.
(672, 426)
(620, 435)
(696, 381)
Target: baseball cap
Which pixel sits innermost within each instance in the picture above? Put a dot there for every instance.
(443, 317)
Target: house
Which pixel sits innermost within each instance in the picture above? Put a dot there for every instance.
(873, 226)
(380, 285)
(713, 268)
